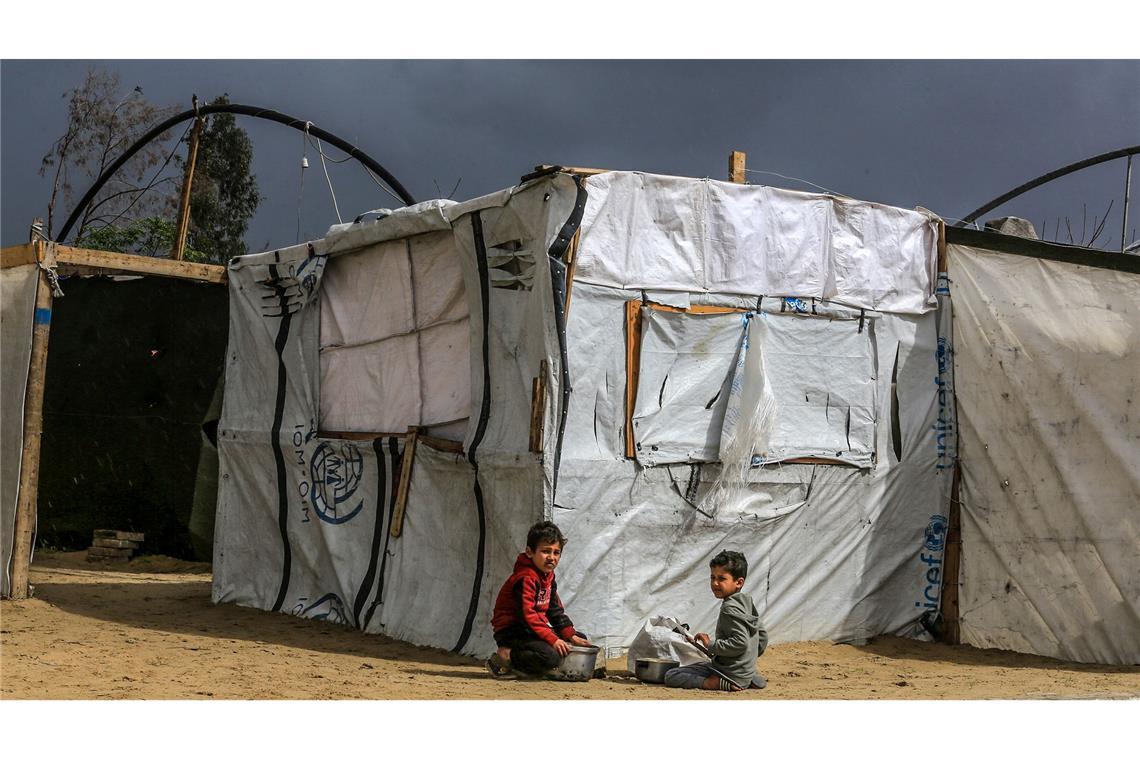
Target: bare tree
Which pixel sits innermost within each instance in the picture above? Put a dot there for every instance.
(102, 122)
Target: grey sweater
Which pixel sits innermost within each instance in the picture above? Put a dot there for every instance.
(740, 639)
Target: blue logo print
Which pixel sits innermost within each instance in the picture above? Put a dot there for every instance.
(335, 477)
(935, 538)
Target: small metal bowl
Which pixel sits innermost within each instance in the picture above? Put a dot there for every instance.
(653, 670)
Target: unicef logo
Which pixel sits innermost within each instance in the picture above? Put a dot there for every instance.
(935, 533)
(335, 477)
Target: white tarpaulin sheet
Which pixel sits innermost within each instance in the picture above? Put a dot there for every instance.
(17, 306)
(304, 520)
(671, 233)
(394, 337)
(1046, 355)
(835, 552)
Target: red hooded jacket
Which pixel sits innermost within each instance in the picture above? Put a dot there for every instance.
(530, 598)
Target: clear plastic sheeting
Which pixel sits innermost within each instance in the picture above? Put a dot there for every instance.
(1048, 386)
(671, 233)
(820, 374)
(17, 308)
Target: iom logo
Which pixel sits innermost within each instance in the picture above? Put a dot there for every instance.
(935, 538)
(329, 607)
(335, 476)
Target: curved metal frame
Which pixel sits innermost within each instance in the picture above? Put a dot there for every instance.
(1122, 153)
(243, 110)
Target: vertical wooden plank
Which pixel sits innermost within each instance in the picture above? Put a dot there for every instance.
(632, 368)
(942, 262)
(571, 264)
(538, 408)
(187, 182)
(736, 161)
(25, 523)
(405, 482)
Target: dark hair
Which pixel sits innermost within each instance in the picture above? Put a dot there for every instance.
(733, 562)
(544, 532)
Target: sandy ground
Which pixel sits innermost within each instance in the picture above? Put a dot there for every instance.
(147, 630)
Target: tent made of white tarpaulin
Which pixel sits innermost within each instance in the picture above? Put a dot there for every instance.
(407, 395)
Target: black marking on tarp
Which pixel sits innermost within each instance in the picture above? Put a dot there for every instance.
(712, 400)
(566, 234)
(275, 440)
(481, 428)
(862, 314)
(377, 532)
(390, 497)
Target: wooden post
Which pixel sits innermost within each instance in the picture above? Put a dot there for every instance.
(736, 166)
(404, 484)
(538, 407)
(25, 523)
(184, 205)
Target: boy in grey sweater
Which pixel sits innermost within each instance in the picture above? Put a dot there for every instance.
(740, 638)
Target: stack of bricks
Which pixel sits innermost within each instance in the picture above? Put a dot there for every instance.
(113, 546)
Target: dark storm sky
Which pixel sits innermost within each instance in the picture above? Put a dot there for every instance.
(947, 135)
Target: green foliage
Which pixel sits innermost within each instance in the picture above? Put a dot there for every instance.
(224, 195)
(149, 236)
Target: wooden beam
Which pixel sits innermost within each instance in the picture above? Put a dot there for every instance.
(128, 263)
(17, 255)
(405, 483)
(187, 183)
(586, 172)
(571, 265)
(942, 261)
(736, 161)
(632, 369)
(538, 407)
(440, 444)
(25, 522)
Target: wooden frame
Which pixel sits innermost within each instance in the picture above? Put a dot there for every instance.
(89, 261)
(633, 353)
(633, 369)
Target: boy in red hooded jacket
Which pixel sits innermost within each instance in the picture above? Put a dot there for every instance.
(531, 627)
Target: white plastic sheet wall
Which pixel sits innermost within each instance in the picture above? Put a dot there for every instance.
(835, 552)
(1048, 386)
(670, 233)
(17, 307)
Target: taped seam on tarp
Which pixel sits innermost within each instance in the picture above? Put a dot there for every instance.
(481, 428)
(559, 284)
(275, 439)
(390, 497)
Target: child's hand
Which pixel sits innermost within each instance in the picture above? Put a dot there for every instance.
(578, 641)
(562, 647)
(702, 639)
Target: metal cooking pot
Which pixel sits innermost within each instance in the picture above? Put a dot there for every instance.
(653, 670)
(576, 666)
